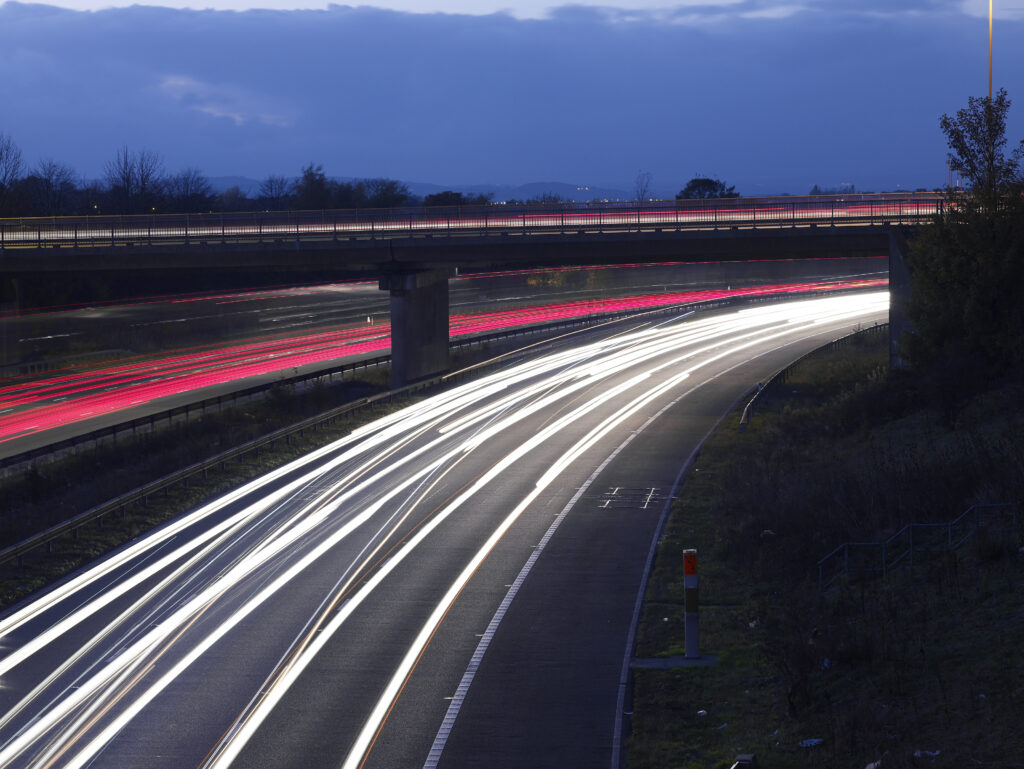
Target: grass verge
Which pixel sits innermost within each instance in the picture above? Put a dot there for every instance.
(922, 669)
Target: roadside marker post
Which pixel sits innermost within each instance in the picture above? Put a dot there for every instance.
(690, 596)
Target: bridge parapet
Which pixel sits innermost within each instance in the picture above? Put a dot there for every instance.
(190, 231)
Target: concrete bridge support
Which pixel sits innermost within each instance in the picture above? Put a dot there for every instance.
(419, 324)
(899, 292)
(10, 304)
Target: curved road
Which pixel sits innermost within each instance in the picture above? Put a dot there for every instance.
(452, 585)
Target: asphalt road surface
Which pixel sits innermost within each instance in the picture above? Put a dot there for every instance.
(452, 585)
(154, 354)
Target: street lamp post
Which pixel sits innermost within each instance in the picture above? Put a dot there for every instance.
(990, 50)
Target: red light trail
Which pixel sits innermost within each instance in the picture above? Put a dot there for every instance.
(37, 404)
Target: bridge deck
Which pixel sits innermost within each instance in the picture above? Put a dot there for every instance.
(448, 237)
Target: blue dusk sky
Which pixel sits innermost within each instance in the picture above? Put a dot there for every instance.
(769, 95)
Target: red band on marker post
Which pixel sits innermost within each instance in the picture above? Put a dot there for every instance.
(690, 598)
(690, 562)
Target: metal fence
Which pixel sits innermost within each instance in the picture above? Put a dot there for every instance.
(853, 560)
(184, 230)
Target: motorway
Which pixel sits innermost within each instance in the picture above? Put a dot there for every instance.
(156, 353)
(452, 585)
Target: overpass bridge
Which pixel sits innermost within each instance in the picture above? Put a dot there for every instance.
(412, 251)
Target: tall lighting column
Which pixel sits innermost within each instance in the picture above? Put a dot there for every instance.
(990, 50)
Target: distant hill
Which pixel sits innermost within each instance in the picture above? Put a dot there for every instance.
(251, 187)
(501, 192)
(504, 192)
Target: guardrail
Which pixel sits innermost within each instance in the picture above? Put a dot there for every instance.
(96, 513)
(182, 476)
(867, 559)
(781, 376)
(187, 411)
(185, 230)
(198, 408)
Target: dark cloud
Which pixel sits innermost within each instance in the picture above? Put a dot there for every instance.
(589, 95)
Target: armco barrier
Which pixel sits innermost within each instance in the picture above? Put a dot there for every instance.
(179, 476)
(197, 408)
(781, 376)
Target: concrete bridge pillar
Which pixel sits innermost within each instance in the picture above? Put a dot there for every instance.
(10, 303)
(419, 324)
(899, 293)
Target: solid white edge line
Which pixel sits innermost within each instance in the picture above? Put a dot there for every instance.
(659, 530)
(455, 705)
(616, 760)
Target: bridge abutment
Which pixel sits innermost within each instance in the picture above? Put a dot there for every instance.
(419, 324)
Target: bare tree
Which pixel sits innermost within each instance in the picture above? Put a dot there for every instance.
(189, 191)
(149, 169)
(642, 185)
(135, 179)
(119, 174)
(10, 170)
(274, 192)
(386, 193)
(56, 186)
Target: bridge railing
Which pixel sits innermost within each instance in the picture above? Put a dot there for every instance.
(494, 219)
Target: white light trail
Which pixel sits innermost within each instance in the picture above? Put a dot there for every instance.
(351, 487)
(384, 703)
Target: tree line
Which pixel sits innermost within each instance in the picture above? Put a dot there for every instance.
(137, 182)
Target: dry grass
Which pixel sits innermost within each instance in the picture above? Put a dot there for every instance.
(928, 660)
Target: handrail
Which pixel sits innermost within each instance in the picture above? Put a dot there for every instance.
(886, 559)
